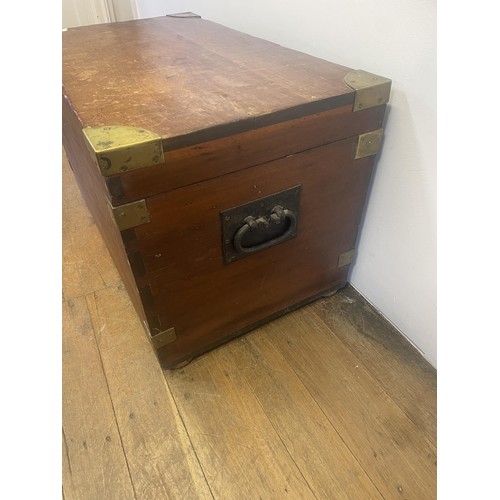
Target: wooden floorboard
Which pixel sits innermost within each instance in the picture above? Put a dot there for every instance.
(160, 457)
(326, 402)
(94, 464)
(239, 450)
(328, 465)
(399, 368)
(87, 264)
(394, 452)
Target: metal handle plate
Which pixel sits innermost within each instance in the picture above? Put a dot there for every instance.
(260, 224)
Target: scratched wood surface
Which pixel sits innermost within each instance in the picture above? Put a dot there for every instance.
(313, 405)
(181, 76)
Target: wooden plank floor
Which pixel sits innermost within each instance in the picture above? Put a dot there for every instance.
(328, 402)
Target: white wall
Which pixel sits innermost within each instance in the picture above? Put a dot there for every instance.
(396, 264)
(85, 12)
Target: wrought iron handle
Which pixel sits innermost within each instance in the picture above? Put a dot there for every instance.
(278, 215)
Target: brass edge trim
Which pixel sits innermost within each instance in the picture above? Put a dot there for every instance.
(163, 338)
(369, 144)
(131, 214)
(119, 149)
(346, 258)
(371, 90)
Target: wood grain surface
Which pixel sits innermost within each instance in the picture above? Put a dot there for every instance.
(181, 76)
(308, 435)
(394, 451)
(239, 450)
(94, 463)
(161, 460)
(190, 287)
(208, 160)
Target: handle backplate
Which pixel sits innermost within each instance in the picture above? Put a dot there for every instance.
(260, 224)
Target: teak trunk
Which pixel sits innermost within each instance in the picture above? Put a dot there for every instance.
(226, 173)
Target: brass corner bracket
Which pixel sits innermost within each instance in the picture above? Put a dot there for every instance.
(119, 149)
(163, 338)
(131, 214)
(371, 90)
(369, 144)
(346, 258)
(158, 340)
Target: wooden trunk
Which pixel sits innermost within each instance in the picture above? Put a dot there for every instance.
(171, 123)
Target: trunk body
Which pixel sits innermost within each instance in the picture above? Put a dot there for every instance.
(227, 174)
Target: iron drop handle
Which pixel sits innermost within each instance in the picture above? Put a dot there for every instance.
(278, 215)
